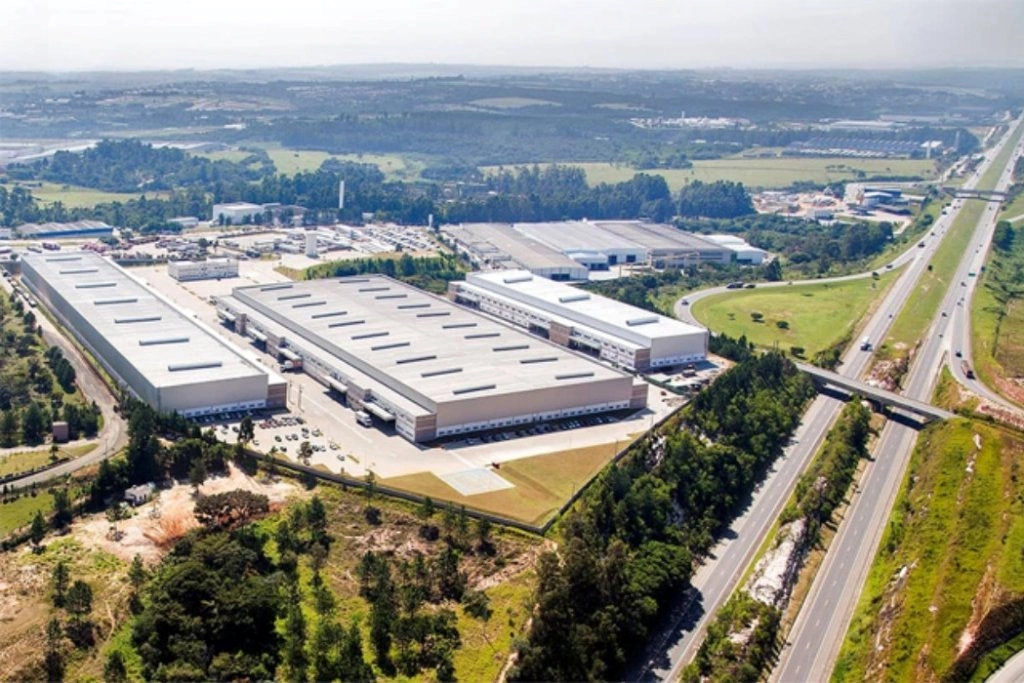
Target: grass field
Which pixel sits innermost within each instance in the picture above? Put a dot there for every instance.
(818, 315)
(541, 484)
(74, 197)
(513, 102)
(395, 167)
(26, 460)
(1014, 209)
(951, 552)
(18, 513)
(762, 173)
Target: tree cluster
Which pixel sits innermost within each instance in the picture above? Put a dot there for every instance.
(720, 199)
(628, 547)
(431, 273)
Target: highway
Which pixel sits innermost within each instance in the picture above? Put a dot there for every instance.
(718, 576)
(821, 626)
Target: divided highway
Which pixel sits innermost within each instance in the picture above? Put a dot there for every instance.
(716, 579)
(821, 626)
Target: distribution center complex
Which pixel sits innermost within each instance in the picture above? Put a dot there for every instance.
(149, 346)
(420, 361)
(625, 335)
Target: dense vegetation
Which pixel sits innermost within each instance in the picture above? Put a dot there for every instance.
(628, 548)
(726, 656)
(37, 384)
(133, 166)
(429, 273)
(721, 199)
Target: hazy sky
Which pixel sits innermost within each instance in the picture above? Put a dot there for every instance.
(151, 34)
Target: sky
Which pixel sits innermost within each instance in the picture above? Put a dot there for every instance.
(75, 35)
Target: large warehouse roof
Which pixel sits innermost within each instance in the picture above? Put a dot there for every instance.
(574, 236)
(627, 322)
(157, 339)
(423, 346)
(656, 236)
(496, 241)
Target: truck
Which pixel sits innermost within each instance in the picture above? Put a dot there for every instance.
(966, 367)
(363, 418)
(865, 344)
(291, 365)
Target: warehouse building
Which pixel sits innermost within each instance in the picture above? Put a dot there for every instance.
(237, 212)
(419, 361)
(744, 252)
(570, 250)
(621, 334)
(211, 269)
(499, 246)
(149, 346)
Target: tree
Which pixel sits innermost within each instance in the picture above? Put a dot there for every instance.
(61, 577)
(53, 659)
(137, 573)
(773, 270)
(142, 444)
(246, 431)
(756, 316)
(34, 424)
(78, 601)
(295, 640)
(197, 475)
(305, 452)
(316, 519)
(9, 428)
(38, 530)
(63, 509)
(115, 671)
(230, 509)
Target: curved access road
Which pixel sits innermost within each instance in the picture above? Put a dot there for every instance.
(1012, 671)
(113, 435)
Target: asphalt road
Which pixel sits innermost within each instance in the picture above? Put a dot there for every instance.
(1011, 672)
(716, 579)
(821, 626)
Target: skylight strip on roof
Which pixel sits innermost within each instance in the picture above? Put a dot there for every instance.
(391, 296)
(289, 297)
(138, 319)
(310, 304)
(434, 314)
(569, 298)
(456, 326)
(332, 314)
(347, 323)
(517, 279)
(63, 259)
(95, 285)
(470, 390)
(201, 365)
(545, 359)
(369, 335)
(633, 322)
(353, 280)
(78, 271)
(110, 302)
(374, 289)
(403, 307)
(272, 288)
(437, 373)
(416, 359)
(163, 340)
(511, 347)
(482, 335)
(574, 375)
(393, 345)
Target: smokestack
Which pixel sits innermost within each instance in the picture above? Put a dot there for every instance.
(341, 195)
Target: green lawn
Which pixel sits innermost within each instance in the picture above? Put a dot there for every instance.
(19, 513)
(26, 460)
(74, 197)
(770, 172)
(541, 484)
(1014, 209)
(393, 166)
(819, 315)
(956, 532)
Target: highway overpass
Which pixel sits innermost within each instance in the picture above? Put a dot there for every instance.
(874, 394)
(972, 193)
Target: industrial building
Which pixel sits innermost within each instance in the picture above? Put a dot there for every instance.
(500, 246)
(237, 212)
(569, 250)
(621, 334)
(743, 252)
(432, 368)
(211, 269)
(151, 348)
(55, 230)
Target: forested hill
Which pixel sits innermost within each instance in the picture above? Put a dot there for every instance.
(133, 166)
(628, 548)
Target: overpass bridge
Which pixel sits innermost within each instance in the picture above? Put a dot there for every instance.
(876, 395)
(964, 193)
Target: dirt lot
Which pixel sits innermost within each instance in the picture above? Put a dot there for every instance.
(155, 526)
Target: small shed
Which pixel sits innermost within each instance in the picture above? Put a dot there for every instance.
(60, 432)
(137, 495)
